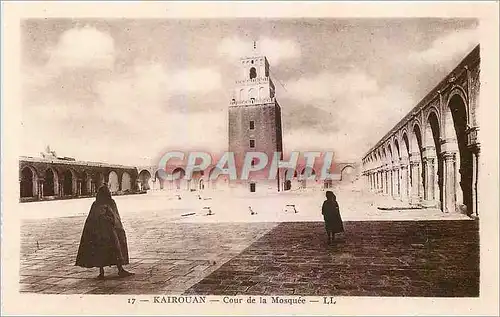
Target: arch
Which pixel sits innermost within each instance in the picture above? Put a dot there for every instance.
(289, 175)
(98, 180)
(309, 170)
(69, 182)
(252, 73)
(113, 182)
(126, 182)
(429, 138)
(29, 182)
(417, 150)
(459, 92)
(214, 172)
(51, 185)
(86, 184)
(261, 93)
(214, 176)
(416, 142)
(434, 128)
(160, 179)
(305, 174)
(347, 173)
(201, 184)
(457, 107)
(178, 175)
(194, 181)
(396, 146)
(145, 180)
(252, 93)
(406, 142)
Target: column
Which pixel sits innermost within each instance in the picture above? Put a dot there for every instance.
(449, 182)
(430, 178)
(384, 181)
(395, 178)
(415, 181)
(379, 181)
(390, 182)
(383, 178)
(403, 181)
(40, 189)
(380, 189)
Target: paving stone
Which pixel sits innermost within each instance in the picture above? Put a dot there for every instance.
(374, 258)
(164, 257)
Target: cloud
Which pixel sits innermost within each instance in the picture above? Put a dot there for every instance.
(150, 86)
(83, 47)
(275, 50)
(448, 47)
(353, 112)
(329, 86)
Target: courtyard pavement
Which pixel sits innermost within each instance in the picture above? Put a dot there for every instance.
(175, 248)
(384, 258)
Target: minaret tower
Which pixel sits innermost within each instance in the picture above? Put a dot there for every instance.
(255, 117)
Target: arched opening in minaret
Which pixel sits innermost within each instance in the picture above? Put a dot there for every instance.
(253, 73)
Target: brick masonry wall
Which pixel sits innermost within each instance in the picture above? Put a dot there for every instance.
(267, 132)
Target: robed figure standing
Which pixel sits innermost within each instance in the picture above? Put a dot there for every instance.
(331, 215)
(103, 242)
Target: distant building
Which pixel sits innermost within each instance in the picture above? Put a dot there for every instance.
(52, 177)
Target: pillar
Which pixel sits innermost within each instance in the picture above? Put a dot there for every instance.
(395, 181)
(449, 182)
(403, 189)
(384, 182)
(390, 182)
(415, 181)
(379, 182)
(431, 187)
(40, 189)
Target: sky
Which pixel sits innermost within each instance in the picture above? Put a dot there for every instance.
(126, 91)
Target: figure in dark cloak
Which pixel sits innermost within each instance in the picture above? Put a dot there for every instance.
(331, 215)
(103, 242)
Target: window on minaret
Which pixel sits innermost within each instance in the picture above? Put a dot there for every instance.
(252, 125)
(252, 93)
(253, 73)
(252, 144)
(261, 93)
